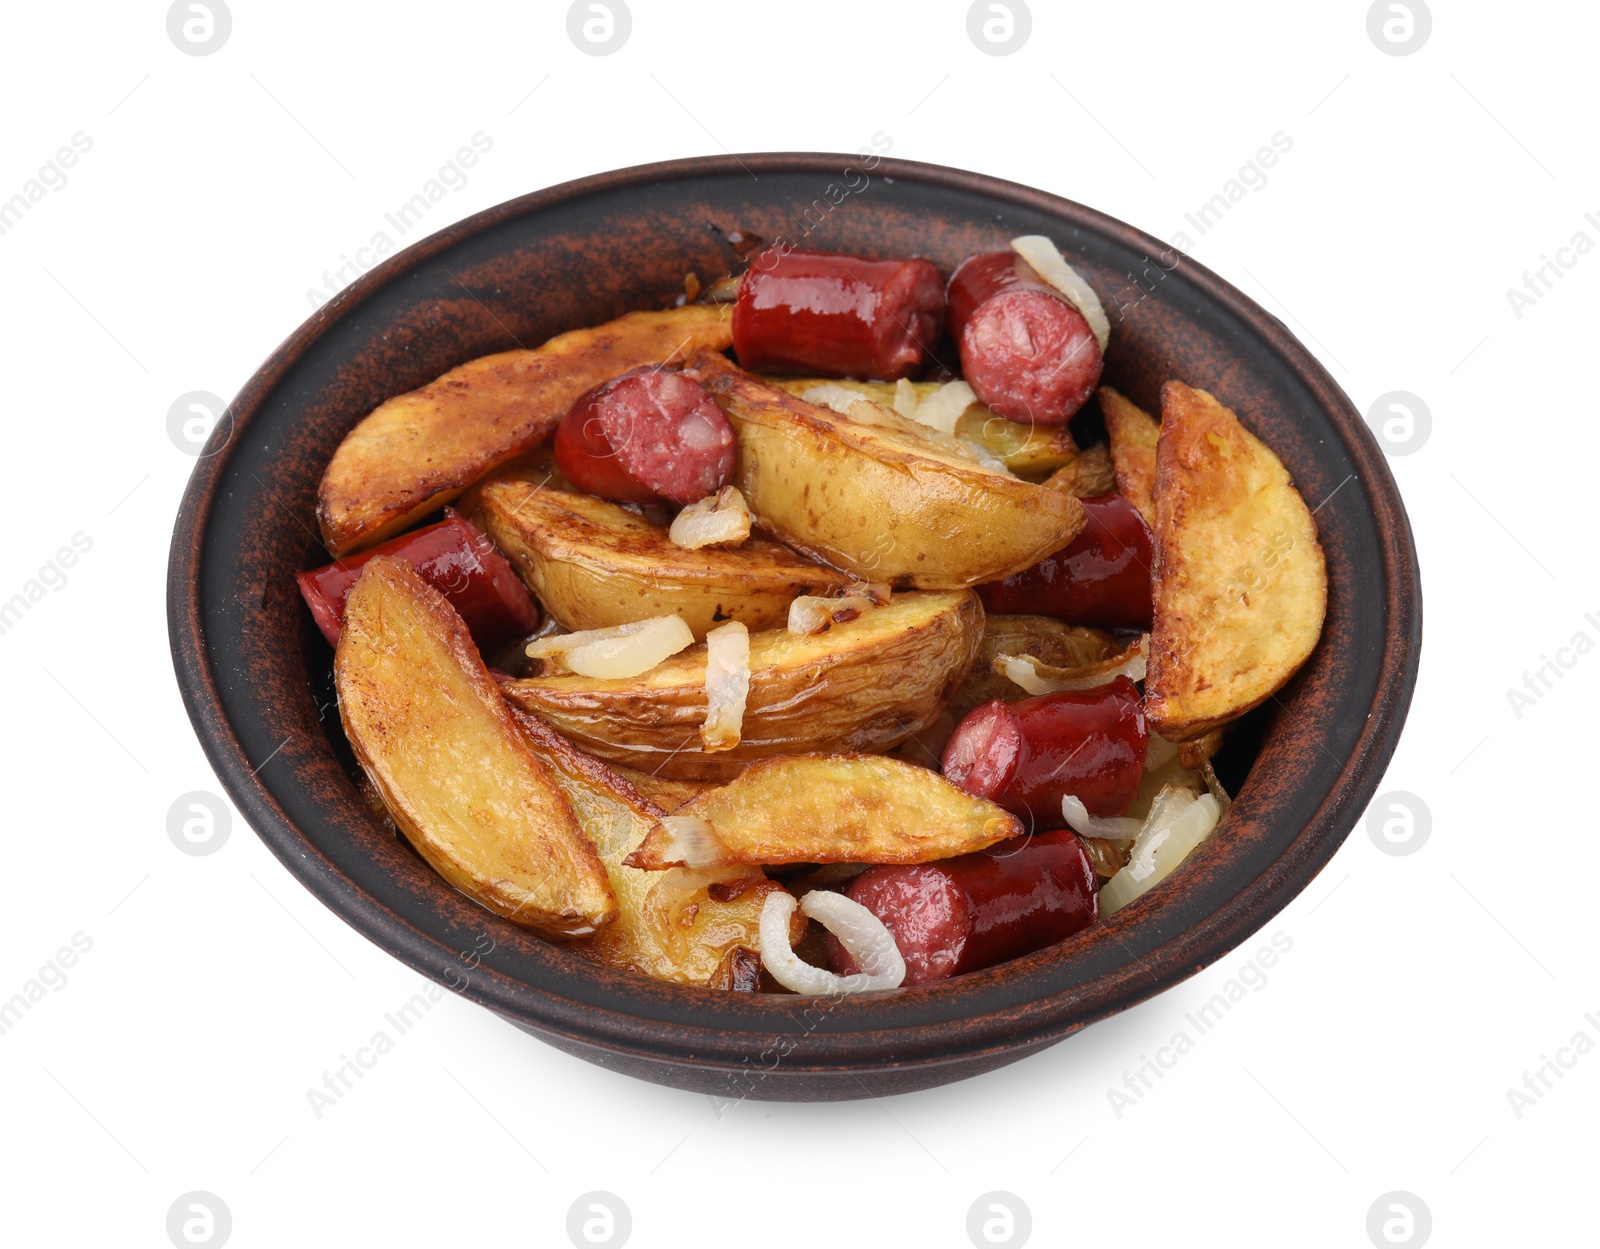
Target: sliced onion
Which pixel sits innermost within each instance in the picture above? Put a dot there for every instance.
(691, 842)
(860, 932)
(1038, 677)
(1048, 262)
(721, 519)
(1158, 752)
(1112, 828)
(619, 652)
(1177, 823)
(944, 407)
(727, 685)
(905, 399)
(835, 397)
(816, 613)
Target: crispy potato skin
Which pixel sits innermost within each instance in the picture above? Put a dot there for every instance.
(686, 943)
(594, 564)
(867, 684)
(438, 743)
(1240, 584)
(839, 809)
(883, 507)
(420, 450)
(1046, 639)
(1030, 451)
(1133, 433)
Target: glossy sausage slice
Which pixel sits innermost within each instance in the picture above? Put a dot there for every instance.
(963, 914)
(1028, 755)
(649, 436)
(837, 316)
(1025, 350)
(1102, 579)
(455, 559)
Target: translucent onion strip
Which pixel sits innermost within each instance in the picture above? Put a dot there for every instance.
(860, 932)
(616, 653)
(727, 685)
(944, 407)
(1040, 678)
(692, 843)
(1048, 262)
(721, 519)
(1112, 828)
(1177, 823)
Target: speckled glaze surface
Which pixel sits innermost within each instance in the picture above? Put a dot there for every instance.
(254, 671)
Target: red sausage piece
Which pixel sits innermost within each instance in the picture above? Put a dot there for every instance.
(964, 914)
(837, 316)
(1028, 755)
(455, 559)
(1101, 579)
(649, 436)
(1025, 350)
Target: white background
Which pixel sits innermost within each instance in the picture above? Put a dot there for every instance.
(1418, 990)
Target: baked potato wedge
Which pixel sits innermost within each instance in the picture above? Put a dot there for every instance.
(1133, 434)
(679, 926)
(420, 450)
(1031, 451)
(594, 564)
(1041, 637)
(866, 684)
(832, 809)
(438, 743)
(884, 506)
(1240, 584)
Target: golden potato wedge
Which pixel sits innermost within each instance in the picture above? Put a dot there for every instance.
(1240, 584)
(1045, 639)
(438, 742)
(1133, 433)
(594, 564)
(836, 809)
(882, 506)
(677, 927)
(867, 684)
(1031, 451)
(420, 450)
(1090, 474)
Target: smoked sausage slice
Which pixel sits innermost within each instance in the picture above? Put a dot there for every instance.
(1025, 350)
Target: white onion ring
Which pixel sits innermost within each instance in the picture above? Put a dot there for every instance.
(860, 932)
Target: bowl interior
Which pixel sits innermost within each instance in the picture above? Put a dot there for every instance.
(255, 673)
